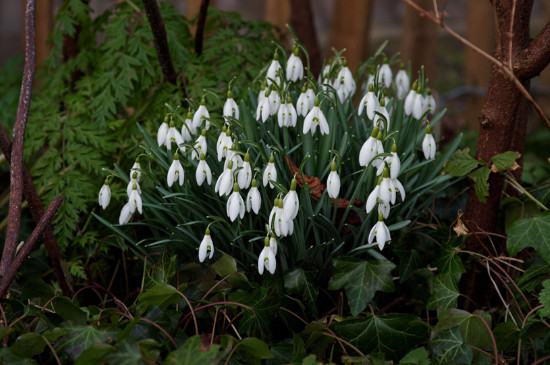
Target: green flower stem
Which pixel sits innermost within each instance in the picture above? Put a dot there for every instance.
(518, 186)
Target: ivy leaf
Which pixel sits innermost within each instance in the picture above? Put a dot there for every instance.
(264, 302)
(28, 345)
(449, 262)
(254, 350)
(461, 163)
(530, 232)
(445, 293)
(361, 280)
(227, 266)
(392, 335)
(506, 335)
(544, 297)
(417, 356)
(96, 354)
(161, 295)
(193, 353)
(81, 338)
(505, 160)
(449, 348)
(471, 327)
(481, 186)
(298, 283)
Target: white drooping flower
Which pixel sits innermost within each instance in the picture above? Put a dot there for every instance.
(187, 129)
(273, 244)
(244, 176)
(162, 132)
(133, 182)
(409, 101)
(230, 108)
(302, 105)
(175, 172)
(277, 222)
(344, 83)
(274, 102)
(333, 182)
(174, 136)
(370, 103)
(310, 94)
(235, 204)
(385, 74)
(136, 167)
(402, 83)
(266, 260)
(205, 246)
(429, 101)
(428, 144)
(224, 142)
(274, 71)
(294, 66)
(263, 111)
(374, 198)
(392, 162)
(291, 202)
(233, 155)
(201, 115)
(125, 214)
(225, 180)
(381, 232)
(253, 199)
(200, 146)
(203, 172)
(287, 116)
(135, 201)
(371, 148)
(419, 106)
(387, 189)
(105, 195)
(270, 172)
(315, 118)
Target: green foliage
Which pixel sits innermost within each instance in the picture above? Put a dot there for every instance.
(448, 347)
(531, 232)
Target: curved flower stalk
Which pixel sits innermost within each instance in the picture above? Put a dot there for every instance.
(201, 116)
(230, 108)
(428, 144)
(200, 146)
(244, 176)
(206, 246)
(235, 204)
(315, 118)
(203, 172)
(105, 195)
(253, 198)
(175, 172)
(294, 66)
(270, 172)
(333, 181)
(380, 232)
(266, 260)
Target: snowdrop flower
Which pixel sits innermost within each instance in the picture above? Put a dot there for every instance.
(137, 168)
(384, 208)
(230, 108)
(371, 148)
(402, 83)
(375, 197)
(203, 172)
(302, 105)
(333, 182)
(162, 132)
(267, 259)
(370, 103)
(429, 101)
(235, 204)
(125, 214)
(262, 111)
(310, 94)
(392, 162)
(224, 143)
(270, 173)
(387, 190)
(173, 136)
(315, 117)
(382, 112)
(385, 74)
(287, 114)
(277, 223)
(274, 70)
(244, 177)
(291, 202)
(273, 244)
(201, 115)
(105, 195)
(232, 155)
(175, 172)
(419, 107)
(135, 201)
(274, 102)
(225, 181)
(187, 129)
(206, 245)
(344, 83)
(133, 182)
(381, 232)
(294, 66)
(253, 198)
(200, 146)
(428, 144)
(261, 94)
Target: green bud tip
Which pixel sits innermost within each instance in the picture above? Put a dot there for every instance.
(228, 132)
(375, 131)
(229, 94)
(304, 89)
(385, 59)
(379, 136)
(134, 187)
(428, 129)
(280, 203)
(383, 102)
(203, 101)
(415, 84)
(380, 217)
(271, 158)
(266, 241)
(235, 187)
(202, 157)
(402, 66)
(106, 182)
(394, 148)
(203, 132)
(333, 166)
(134, 175)
(296, 51)
(166, 119)
(379, 180)
(309, 86)
(267, 92)
(264, 84)
(293, 184)
(176, 157)
(275, 56)
(189, 115)
(316, 102)
(207, 232)
(386, 172)
(172, 124)
(246, 157)
(224, 128)
(288, 100)
(371, 87)
(230, 164)
(273, 235)
(253, 183)
(344, 63)
(428, 91)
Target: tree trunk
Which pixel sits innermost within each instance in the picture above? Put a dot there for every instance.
(301, 19)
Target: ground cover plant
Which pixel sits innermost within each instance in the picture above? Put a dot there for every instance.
(246, 210)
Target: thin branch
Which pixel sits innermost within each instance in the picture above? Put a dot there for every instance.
(536, 56)
(507, 71)
(16, 264)
(16, 175)
(199, 35)
(37, 211)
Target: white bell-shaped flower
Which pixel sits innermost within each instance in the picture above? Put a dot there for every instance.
(135, 201)
(409, 101)
(302, 105)
(381, 232)
(370, 103)
(287, 115)
(174, 136)
(230, 108)
(206, 246)
(387, 189)
(428, 144)
(274, 102)
(253, 199)
(162, 132)
(200, 146)
(133, 182)
(270, 172)
(187, 130)
(235, 204)
(419, 107)
(315, 118)
(392, 162)
(277, 221)
(125, 214)
(344, 83)
(402, 83)
(262, 111)
(201, 115)
(266, 260)
(225, 180)
(371, 148)
(105, 195)
(333, 182)
(137, 168)
(374, 197)
(244, 176)
(385, 75)
(175, 172)
(274, 244)
(203, 172)
(294, 66)
(274, 71)
(291, 202)
(429, 101)
(224, 142)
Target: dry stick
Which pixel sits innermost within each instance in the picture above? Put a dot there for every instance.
(199, 35)
(507, 71)
(16, 175)
(16, 264)
(37, 211)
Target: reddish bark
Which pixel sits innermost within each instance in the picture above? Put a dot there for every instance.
(301, 20)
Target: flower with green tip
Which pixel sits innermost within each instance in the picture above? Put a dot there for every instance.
(402, 83)
(270, 172)
(266, 260)
(162, 132)
(428, 144)
(105, 195)
(291, 202)
(253, 198)
(235, 204)
(206, 246)
(125, 214)
(203, 172)
(200, 146)
(274, 71)
(380, 232)
(302, 105)
(175, 172)
(294, 66)
(244, 176)
(225, 181)
(315, 118)
(201, 115)
(230, 108)
(384, 74)
(333, 182)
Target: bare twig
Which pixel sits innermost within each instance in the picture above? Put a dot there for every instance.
(199, 35)
(17, 262)
(504, 68)
(16, 175)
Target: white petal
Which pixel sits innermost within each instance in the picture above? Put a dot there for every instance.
(271, 262)
(373, 198)
(125, 214)
(104, 196)
(333, 184)
(161, 134)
